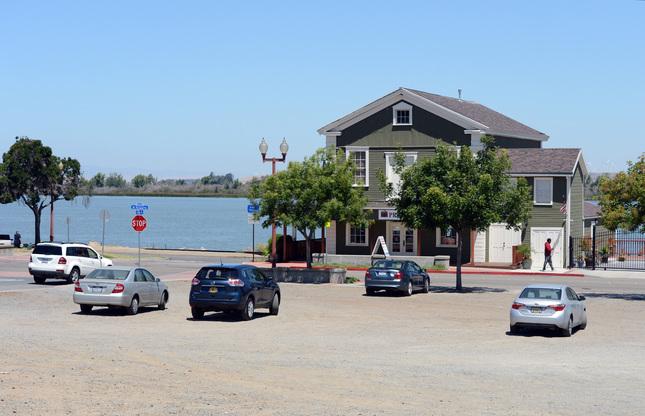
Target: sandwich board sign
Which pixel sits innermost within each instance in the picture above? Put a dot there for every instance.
(380, 242)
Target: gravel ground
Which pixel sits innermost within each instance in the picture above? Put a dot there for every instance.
(330, 351)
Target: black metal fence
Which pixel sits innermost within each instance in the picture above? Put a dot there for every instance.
(608, 250)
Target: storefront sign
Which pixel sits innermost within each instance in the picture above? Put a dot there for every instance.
(388, 215)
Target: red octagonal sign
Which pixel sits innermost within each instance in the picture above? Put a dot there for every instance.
(139, 223)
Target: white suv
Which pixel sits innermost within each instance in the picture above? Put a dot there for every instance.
(67, 261)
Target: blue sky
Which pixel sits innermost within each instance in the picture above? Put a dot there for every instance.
(179, 89)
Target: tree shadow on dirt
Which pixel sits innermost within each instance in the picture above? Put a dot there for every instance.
(618, 296)
(227, 317)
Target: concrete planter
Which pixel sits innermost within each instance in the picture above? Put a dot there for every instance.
(442, 261)
(293, 275)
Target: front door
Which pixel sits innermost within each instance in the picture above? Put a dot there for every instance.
(539, 236)
(501, 242)
(401, 240)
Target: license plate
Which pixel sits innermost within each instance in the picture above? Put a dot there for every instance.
(212, 290)
(44, 259)
(536, 310)
(97, 290)
(382, 273)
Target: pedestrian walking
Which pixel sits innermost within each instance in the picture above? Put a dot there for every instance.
(16, 240)
(547, 255)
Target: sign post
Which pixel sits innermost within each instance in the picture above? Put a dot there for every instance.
(251, 210)
(104, 215)
(67, 221)
(139, 223)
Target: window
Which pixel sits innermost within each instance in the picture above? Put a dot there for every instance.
(541, 293)
(402, 114)
(543, 191)
(356, 235)
(361, 158)
(138, 276)
(149, 276)
(390, 171)
(92, 254)
(447, 237)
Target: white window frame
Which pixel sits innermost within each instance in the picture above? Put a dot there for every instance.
(402, 106)
(352, 149)
(348, 234)
(542, 179)
(438, 239)
(388, 166)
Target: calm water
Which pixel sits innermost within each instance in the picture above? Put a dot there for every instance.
(211, 223)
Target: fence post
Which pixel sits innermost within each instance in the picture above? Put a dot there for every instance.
(571, 252)
(593, 247)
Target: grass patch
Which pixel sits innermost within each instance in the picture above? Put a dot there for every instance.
(351, 279)
(437, 267)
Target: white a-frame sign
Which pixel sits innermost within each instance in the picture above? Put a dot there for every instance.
(380, 242)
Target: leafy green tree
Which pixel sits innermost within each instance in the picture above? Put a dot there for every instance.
(139, 181)
(32, 174)
(622, 198)
(115, 180)
(461, 190)
(98, 180)
(308, 194)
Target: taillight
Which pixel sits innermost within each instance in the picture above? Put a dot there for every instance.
(196, 281)
(62, 260)
(557, 308)
(367, 275)
(517, 305)
(118, 288)
(31, 259)
(77, 286)
(236, 282)
(397, 276)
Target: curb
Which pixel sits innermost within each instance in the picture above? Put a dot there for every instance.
(486, 272)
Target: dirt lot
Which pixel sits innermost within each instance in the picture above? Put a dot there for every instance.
(331, 351)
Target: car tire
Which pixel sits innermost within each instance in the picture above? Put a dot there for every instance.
(409, 290)
(275, 305)
(197, 313)
(74, 275)
(369, 291)
(248, 310)
(86, 308)
(39, 280)
(164, 299)
(514, 330)
(569, 329)
(583, 325)
(426, 286)
(134, 306)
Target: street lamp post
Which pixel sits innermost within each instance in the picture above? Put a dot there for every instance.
(51, 208)
(284, 148)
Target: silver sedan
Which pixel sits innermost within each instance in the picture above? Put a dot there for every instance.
(549, 306)
(115, 287)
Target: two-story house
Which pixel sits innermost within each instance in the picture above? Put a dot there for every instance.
(414, 122)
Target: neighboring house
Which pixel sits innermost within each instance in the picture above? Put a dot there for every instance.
(415, 122)
(592, 216)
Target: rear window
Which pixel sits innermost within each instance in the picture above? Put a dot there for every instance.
(217, 273)
(48, 250)
(5, 237)
(109, 274)
(541, 293)
(387, 264)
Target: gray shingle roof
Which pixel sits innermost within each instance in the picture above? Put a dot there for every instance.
(496, 122)
(592, 210)
(543, 161)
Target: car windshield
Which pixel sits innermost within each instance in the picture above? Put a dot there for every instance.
(108, 274)
(5, 237)
(388, 264)
(48, 250)
(541, 293)
(217, 273)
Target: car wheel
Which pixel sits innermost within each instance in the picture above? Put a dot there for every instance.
(197, 313)
(369, 291)
(74, 275)
(275, 305)
(39, 280)
(426, 286)
(514, 329)
(86, 308)
(569, 329)
(164, 299)
(408, 291)
(134, 306)
(248, 310)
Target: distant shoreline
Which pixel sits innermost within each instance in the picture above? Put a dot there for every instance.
(169, 194)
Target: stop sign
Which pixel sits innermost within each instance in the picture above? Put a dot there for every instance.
(139, 223)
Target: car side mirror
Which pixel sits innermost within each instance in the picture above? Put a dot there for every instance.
(580, 297)
(157, 279)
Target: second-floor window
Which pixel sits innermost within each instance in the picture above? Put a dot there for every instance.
(543, 191)
(361, 157)
(402, 114)
(390, 167)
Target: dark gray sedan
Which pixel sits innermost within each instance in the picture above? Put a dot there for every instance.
(397, 276)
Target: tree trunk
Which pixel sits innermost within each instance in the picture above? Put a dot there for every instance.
(308, 246)
(37, 214)
(459, 249)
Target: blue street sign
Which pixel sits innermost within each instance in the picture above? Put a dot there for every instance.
(252, 209)
(139, 208)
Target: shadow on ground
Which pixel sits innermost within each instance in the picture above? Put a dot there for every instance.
(115, 311)
(619, 296)
(451, 289)
(51, 283)
(227, 317)
(538, 332)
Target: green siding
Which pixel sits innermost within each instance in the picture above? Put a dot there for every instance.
(577, 203)
(548, 216)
